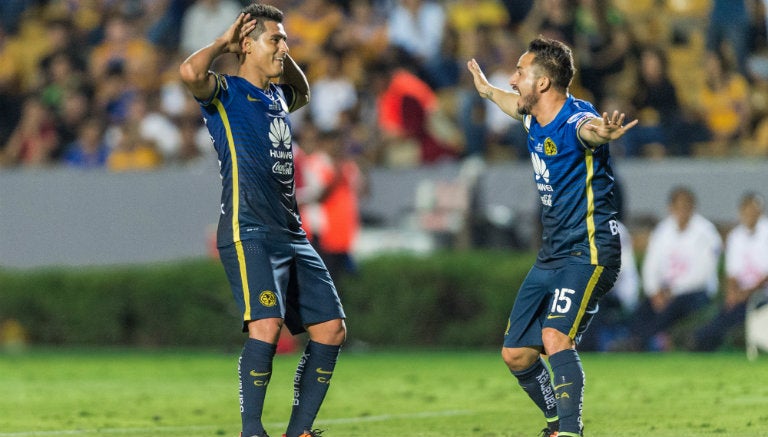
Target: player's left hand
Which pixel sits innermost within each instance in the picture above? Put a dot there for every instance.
(610, 127)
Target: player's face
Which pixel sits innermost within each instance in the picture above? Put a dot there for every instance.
(524, 83)
(268, 50)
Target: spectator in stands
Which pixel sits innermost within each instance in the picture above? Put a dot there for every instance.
(335, 182)
(203, 21)
(124, 45)
(333, 93)
(603, 42)
(466, 16)
(113, 94)
(34, 141)
(133, 152)
(664, 123)
(407, 108)
(311, 24)
(88, 150)
(729, 25)
(724, 102)
(418, 28)
(364, 31)
(154, 125)
(746, 268)
(74, 109)
(551, 18)
(679, 272)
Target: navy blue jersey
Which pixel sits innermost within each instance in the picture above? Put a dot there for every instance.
(576, 188)
(251, 132)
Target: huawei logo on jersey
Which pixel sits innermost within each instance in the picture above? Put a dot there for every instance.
(540, 168)
(541, 172)
(280, 134)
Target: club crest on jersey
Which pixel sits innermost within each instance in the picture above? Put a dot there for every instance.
(550, 148)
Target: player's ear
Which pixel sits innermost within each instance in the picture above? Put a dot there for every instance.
(543, 83)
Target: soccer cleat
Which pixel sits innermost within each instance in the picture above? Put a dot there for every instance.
(547, 433)
(313, 433)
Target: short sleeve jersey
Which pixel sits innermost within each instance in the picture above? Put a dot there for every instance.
(576, 188)
(251, 133)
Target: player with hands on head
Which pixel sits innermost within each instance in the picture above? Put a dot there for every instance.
(275, 275)
(580, 255)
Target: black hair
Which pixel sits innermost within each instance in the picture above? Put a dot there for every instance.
(555, 58)
(261, 13)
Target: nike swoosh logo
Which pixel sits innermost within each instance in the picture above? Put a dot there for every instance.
(324, 372)
(562, 385)
(550, 317)
(252, 99)
(255, 373)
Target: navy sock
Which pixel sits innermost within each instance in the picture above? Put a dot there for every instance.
(569, 390)
(310, 384)
(254, 370)
(536, 382)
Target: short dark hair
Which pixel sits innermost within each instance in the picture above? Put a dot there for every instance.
(681, 191)
(261, 13)
(555, 58)
(752, 197)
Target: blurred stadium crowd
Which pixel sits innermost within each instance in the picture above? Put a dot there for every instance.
(94, 83)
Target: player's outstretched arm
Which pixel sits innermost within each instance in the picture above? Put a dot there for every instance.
(505, 100)
(294, 76)
(599, 131)
(195, 70)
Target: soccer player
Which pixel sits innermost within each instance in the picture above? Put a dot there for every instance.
(275, 275)
(580, 255)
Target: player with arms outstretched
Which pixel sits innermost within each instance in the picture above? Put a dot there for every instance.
(275, 275)
(580, 255)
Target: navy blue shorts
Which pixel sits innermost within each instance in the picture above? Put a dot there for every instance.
(564, 298)
(280, 280)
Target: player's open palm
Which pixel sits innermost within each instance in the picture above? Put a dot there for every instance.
(481, 82)
(611, 128)
(237, 32)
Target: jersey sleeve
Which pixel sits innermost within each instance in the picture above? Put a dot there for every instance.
(289, 93)
(221, 85)
(579, 119)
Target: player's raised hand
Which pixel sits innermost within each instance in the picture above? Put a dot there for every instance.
(237, 32)
(481, 82)
(611, 127)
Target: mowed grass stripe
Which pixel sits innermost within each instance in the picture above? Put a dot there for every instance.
(403, 394)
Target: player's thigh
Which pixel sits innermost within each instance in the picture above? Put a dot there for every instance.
(314, 296)
(576, 291)
(525, 319)
(250, 269)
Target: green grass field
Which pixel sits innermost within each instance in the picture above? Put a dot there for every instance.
(402, 394)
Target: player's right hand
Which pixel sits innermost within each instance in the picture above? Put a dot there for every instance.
(481, 82)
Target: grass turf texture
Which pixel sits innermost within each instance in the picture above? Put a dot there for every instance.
(403, 394)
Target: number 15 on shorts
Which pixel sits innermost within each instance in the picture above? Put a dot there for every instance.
(562, 301)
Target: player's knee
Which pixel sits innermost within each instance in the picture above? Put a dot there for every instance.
(332, 332)
(555, 341)
(519, 359)
(266, 330)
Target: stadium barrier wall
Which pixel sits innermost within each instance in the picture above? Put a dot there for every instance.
(66, 217)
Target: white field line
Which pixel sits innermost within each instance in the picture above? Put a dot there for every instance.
(174, 429)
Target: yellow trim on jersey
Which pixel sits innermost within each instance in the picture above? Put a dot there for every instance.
(235, 172)
(590, 208)
(585, 301)
(244, 280)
